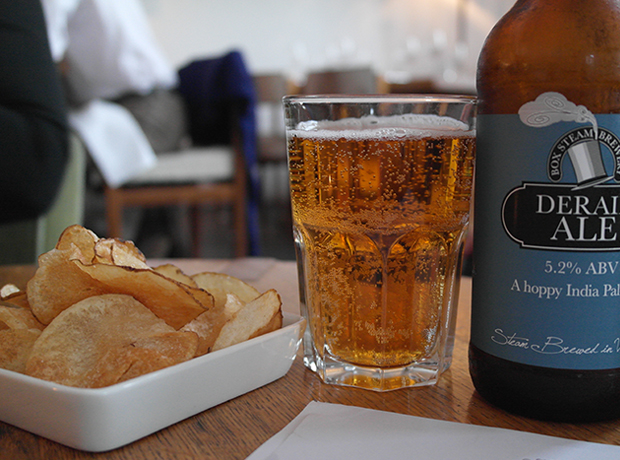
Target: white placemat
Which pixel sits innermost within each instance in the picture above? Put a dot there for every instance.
(331, 431)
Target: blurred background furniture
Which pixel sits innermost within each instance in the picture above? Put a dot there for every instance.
(414, 86)
(275, 208)
(271, 135)
(270, 89)
(351, 81)
(22, 242)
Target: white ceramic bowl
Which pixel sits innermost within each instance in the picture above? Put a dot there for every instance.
(102, 419)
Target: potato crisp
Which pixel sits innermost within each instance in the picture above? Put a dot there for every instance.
(98, 340)
(95, 314)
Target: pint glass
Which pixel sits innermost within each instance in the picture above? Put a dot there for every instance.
(380, 193)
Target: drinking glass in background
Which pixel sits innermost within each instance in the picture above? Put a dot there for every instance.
(380, 192)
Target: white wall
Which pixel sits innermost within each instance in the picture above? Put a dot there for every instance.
(293, 36)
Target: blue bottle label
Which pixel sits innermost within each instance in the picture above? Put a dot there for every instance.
(547, 236)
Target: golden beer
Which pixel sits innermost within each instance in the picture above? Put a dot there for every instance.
(380, 211)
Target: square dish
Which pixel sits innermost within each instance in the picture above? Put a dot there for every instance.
(102, 419)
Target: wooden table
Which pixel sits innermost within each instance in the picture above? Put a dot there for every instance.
(233, 430)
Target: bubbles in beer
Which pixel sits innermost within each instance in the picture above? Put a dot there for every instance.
(380, 204)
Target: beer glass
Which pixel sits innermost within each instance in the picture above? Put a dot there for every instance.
(380, 193)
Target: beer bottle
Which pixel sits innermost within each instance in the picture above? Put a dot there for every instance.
(545, 337)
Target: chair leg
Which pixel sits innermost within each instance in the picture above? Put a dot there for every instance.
(114, 213)
(196, 230)
(241, 230)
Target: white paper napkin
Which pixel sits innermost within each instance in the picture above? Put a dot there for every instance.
(331, 431)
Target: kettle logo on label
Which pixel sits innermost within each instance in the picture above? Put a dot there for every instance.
(581, 216)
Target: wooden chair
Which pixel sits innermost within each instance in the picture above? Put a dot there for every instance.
(194, 177)
(219, 97)
(346, 81)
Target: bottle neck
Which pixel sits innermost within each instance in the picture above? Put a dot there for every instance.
(566, 46)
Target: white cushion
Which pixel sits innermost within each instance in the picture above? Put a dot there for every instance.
(194, 165)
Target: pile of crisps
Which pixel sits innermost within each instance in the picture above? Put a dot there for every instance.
(95, 314)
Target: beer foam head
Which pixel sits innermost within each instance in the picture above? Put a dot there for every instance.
(371, 126)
